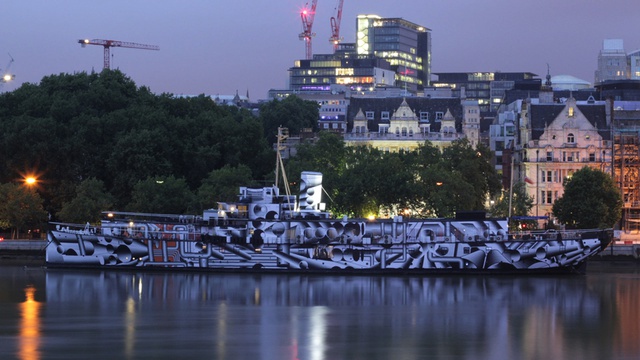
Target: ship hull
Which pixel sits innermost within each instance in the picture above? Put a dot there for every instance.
(325, 246)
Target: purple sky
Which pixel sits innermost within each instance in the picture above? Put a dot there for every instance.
(220, 46)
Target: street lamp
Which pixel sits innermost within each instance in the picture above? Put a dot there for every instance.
(30, 180)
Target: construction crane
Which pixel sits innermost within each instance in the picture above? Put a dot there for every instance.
(107, 44)
(307, 14)
(335, 26)
(6, 75)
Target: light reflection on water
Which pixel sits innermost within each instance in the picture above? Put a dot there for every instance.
(29, 339)
(78, 314)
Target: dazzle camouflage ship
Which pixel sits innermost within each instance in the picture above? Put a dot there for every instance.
(267, 232)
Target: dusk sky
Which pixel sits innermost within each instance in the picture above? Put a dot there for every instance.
(220, 46)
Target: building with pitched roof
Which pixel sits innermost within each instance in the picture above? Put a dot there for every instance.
(403, 124)
(555, 139)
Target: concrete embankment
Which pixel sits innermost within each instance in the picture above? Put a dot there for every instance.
(620, 252)
(12, 249)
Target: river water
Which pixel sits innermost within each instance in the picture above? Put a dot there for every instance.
(71, 314)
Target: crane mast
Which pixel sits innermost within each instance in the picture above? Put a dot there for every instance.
(335, 26)
(6, 75)
(107, 44)
(307, 14)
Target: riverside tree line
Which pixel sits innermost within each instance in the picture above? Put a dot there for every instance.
(98, 142)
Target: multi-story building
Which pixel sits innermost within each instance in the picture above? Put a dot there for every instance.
(556, 139)
(634, 65)
(389, 52)
(612, 61)
(626, 162)
(625, 109)
(403, 124)
(502, 139)
(619, 90)
(405, 45)
(332, 110)
(487, 88)
(352, 70)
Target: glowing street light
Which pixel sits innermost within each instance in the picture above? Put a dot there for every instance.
(30, 180)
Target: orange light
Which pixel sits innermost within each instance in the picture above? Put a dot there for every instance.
(30, 180)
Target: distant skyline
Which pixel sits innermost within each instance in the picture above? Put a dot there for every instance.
(221, 46)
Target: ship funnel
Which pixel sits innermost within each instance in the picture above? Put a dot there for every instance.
(310, 190)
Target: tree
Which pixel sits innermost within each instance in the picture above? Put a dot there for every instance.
(474, 167)
(590, 200)
(20, 208)
(162, 195)
(521, 204)
(291, 112)
(222, 185)
(91, 199)
(457, 179)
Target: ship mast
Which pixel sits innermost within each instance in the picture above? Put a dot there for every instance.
(283, 134)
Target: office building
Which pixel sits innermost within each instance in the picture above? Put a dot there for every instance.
(344, 67)
(487, 88)
(405, 45)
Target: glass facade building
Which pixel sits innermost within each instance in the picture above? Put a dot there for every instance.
(488, 88)
(354, 72)
(406, 45)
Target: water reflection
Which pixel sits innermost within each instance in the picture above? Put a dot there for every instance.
(29, 339)
(163, 315)
(316, 315)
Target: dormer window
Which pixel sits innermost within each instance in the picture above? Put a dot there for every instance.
(571, 139)
(571, 112)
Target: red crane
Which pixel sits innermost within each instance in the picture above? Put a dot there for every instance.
(307, 16)
(107, 44)
(335, 25)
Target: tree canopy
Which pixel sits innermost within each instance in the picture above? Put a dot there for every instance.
(363, 181)
(292, 112)
(20, 208)
(590, 200)
(73, 127)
